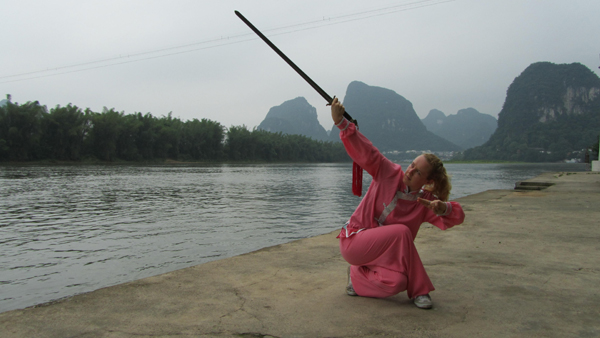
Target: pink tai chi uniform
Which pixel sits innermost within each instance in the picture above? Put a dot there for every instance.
(378, 240)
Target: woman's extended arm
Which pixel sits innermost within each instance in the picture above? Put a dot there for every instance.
(360, 149)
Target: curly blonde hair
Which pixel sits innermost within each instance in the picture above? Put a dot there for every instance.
(441, 185)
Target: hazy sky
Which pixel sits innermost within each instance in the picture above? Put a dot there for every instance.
(196, 59)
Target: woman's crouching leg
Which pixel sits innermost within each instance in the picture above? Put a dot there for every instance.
(377, 282)
(385, 262)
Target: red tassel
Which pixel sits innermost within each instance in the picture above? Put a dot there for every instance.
(357, 173)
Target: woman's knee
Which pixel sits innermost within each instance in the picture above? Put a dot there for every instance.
(401, 229)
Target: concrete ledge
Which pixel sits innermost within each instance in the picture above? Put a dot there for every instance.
(524, 263)
(528, 185)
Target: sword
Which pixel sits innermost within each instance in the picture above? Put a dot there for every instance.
(327, 98)
(356, 169)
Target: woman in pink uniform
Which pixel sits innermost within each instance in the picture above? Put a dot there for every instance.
(377, 241)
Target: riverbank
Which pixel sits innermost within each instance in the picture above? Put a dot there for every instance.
(524, 263)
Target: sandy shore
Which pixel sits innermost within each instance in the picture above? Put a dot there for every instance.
(524, 264)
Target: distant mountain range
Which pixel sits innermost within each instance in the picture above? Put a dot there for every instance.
(385, 117)
(551, 112)
(467, 129)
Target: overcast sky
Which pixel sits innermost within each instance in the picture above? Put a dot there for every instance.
(197, 59)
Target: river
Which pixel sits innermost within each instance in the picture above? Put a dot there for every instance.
(69, 229)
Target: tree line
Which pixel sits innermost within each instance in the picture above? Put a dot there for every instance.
(31, 132)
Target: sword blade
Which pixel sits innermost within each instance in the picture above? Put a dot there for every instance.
(327, 98)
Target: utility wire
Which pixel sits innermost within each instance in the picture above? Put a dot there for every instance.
(223, 41)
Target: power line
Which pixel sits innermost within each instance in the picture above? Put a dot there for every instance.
(222, 41)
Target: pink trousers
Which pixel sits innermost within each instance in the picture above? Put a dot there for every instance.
(385, 262)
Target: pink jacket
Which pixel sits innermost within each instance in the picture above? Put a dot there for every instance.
(387, 200)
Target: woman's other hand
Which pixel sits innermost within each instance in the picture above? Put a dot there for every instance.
(437, 206)
(337, 111)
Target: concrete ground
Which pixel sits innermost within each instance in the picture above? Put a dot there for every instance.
(524, 264)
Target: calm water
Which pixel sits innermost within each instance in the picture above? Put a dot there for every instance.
(65, 230)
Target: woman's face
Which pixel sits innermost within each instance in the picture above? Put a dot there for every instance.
(417, 173)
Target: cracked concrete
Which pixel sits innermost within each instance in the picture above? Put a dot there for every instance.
(524, 264)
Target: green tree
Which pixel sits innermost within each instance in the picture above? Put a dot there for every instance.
(104, 134)
(168, 132)
(20, 131)
(202, 140)
(127, 141)
(64, 130)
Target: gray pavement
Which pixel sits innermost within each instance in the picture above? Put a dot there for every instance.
(524, 264)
